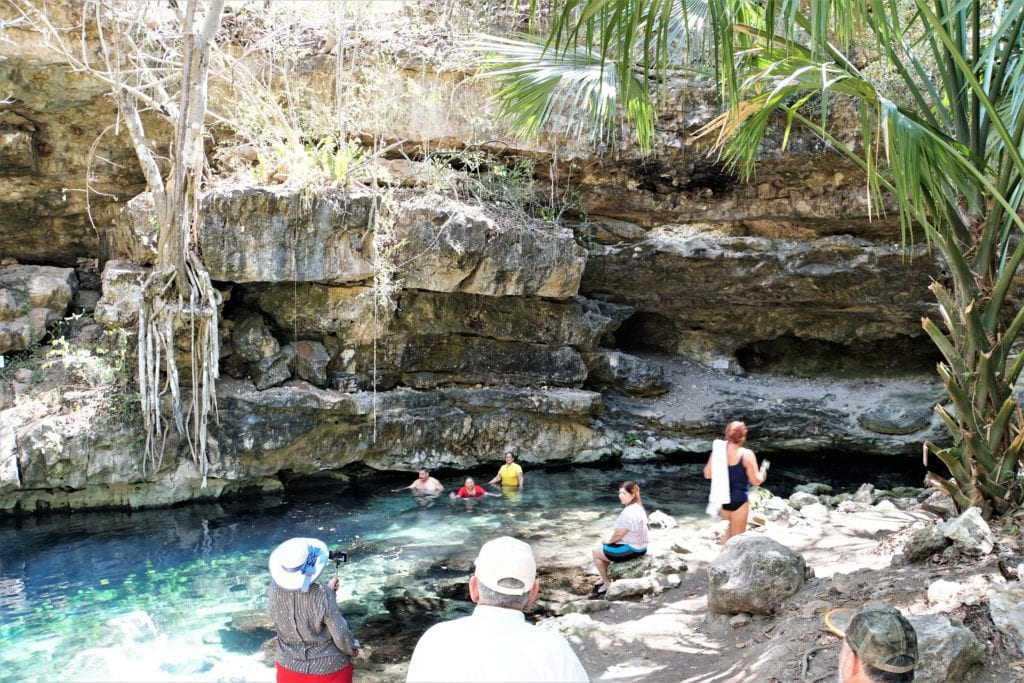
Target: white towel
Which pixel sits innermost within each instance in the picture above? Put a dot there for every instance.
(719, 478)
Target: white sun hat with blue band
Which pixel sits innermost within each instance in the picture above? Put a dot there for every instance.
(297, 562)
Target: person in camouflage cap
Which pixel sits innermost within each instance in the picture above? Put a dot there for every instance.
(879, 646)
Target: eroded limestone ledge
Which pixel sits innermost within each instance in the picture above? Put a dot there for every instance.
(264, 439)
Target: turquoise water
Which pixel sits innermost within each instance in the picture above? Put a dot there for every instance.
(150, 595)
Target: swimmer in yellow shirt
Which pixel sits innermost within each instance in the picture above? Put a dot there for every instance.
(510, 474)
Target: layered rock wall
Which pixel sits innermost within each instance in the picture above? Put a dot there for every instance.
(402, 325)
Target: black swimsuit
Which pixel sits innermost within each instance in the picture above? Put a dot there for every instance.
(739, 485)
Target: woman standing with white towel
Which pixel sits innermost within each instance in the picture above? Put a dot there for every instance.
(732, 470)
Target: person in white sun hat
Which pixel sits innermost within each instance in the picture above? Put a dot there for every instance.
(314, 642)
(495, 643)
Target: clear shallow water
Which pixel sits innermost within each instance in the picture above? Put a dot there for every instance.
(149, 595)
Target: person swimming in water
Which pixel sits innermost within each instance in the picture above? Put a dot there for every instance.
(423, 484)
(510, 474)
(471, 490)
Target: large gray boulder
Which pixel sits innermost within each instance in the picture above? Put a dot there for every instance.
(946, 649)
(753, 574)
(252, 339)
(31, 299)
(925, 543)
(311, 359)
(625, 373)
(1006, 607)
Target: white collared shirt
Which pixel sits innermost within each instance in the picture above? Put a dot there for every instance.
(493, 645)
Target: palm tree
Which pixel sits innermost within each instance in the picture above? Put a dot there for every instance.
(940, 100)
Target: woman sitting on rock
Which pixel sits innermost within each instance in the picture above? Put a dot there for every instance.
(733, 468)
(629, 537)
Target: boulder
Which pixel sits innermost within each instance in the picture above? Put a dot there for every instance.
(800, 499)
(815, 511)
(311, 359)
(252, 339)
(629, 588)
(925, 543)
(777, 509)
(939, 504)
(661, 520)
(122, 295)
(951, 594)
(865, 494)
(753, 574)
(970, 533)
(946, 649)
(814, 488)
(31, 299)
(274, 370)
(1006, 607)
(624, 373)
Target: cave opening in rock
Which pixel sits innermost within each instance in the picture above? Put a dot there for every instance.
(792, 355)
(646, 332)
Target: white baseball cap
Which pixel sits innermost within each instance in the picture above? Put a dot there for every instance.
(296, 563)
(506, 558)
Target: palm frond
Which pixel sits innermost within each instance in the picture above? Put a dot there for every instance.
(574, 87)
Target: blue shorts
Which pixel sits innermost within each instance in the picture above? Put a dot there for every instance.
(620, 552)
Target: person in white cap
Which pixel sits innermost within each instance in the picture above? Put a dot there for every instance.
(495, 643)
(314, 643)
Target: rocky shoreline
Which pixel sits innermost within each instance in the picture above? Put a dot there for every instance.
(892, 546)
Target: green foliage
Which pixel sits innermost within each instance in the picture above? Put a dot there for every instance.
(509, 184)
(94, 365)
(326, 162)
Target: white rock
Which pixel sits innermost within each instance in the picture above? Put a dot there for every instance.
(970, 533)
(815, 512)
(661, 520)
(951, 594)
(1006, 606)
(800, 499)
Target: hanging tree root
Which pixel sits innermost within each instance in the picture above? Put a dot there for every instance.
(163, 313)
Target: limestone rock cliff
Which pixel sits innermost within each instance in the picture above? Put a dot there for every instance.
(403, 323)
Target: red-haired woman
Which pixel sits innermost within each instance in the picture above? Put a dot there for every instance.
(742, 472)
(628, 539)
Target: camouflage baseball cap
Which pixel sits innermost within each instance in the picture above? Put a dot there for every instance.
(882, 637)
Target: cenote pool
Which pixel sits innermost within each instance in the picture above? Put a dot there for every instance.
(148, 596)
